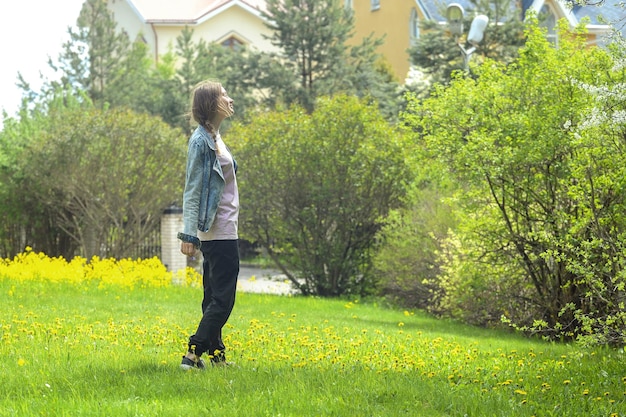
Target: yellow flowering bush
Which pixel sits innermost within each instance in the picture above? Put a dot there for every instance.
(127, 273)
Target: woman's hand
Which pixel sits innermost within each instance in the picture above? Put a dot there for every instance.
(188, 248)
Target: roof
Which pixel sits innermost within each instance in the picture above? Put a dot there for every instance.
(436, 9)
(604, 13)
(189, 11)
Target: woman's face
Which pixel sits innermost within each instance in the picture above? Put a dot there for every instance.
(225, 104)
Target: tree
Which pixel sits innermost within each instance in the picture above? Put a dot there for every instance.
(315, 188)
(103, 67)
(312, 36)
(171, 103)
(437, 54)
(541, 235)
(95, 53)
(104, 176)
(25, 220)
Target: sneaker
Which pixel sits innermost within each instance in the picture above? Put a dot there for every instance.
(219, 364)
(219, 360)
(187, 364)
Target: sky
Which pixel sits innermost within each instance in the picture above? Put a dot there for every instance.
(30, 31)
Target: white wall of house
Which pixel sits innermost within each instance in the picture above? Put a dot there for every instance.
(234, 20)
(130, 22)
(160, 37)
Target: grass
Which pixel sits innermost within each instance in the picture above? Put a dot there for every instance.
(83, 349)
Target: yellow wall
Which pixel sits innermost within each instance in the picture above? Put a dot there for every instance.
(391, 19)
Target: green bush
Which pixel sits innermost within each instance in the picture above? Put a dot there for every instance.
(406, 262)
(541, 228)
(315, 189)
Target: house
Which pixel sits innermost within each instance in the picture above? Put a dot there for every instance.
(597, 27)
(240, 22)
(398, 21)
(158, 23)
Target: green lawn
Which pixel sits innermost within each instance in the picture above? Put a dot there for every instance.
(80, 350)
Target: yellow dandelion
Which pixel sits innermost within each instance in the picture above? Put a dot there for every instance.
(585, 392)
(21, 362)
(400, 324)
(520, 392)
(567, 382)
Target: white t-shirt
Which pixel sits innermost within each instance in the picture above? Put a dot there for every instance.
(226, 221)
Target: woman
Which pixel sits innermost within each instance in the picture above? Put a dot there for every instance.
(210, 216)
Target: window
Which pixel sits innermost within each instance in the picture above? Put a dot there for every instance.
(375, 4)
(232, 43)
(547, 19)
(414, 26)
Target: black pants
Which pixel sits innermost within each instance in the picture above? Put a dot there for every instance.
(220, 271)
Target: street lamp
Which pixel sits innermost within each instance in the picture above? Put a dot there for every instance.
(454, 16)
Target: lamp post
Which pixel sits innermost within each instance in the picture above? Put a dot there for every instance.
(454, 16)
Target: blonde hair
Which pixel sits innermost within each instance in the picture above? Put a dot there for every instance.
(206, 103)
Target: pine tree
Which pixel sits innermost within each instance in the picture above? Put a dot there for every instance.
(312, 36)
(95, 51)
(102, 64)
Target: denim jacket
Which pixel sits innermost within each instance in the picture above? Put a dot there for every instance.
(204, 186)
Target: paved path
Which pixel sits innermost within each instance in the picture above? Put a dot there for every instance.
(266, 281)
